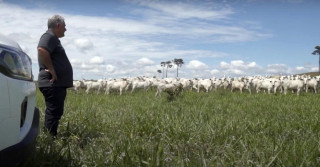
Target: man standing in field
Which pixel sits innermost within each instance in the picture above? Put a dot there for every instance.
(55, 72)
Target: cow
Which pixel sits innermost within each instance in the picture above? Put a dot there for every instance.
(96, 85)
(171, 88)
(311, 83)
(118, 85)
(141, 85)
(238, 84)
(78, 85)
(292, 85)
(266, 84)
(206, 84)
(216, 83)
(186, 83)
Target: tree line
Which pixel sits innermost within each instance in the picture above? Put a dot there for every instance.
(169, 64)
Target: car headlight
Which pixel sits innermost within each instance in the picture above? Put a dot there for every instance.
(15, 64)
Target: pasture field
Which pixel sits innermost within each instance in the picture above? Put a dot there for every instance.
(193, 129)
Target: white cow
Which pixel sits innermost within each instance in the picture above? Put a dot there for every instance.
(195, 83)
(77, 85)
(311, 83)
(168, 87)
(217, 83)
(238, 84)
(277, 85)
(141, 85)
(293, 85)
(156, 82)
(96, 85)
(206, 84)
(225, 83)
(118, 85)
(186, 83)
(266, 84)
(255, 82)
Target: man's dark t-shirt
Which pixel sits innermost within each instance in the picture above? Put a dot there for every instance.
(60, 62)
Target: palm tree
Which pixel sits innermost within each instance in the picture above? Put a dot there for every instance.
(317, 52)
(163, 64)
(159, 71)
(179, 63)
(169, 65)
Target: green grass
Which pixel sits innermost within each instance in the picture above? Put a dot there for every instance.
(194, 129)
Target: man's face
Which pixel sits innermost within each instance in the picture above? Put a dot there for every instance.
(61, 29)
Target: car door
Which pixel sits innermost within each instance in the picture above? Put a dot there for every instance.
(6, 120)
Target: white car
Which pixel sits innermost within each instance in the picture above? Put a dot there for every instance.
(19, 118)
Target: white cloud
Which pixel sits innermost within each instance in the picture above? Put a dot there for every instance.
(237, 72)
(84, 66)
(314, 69)
(95, 71)
(144, 62)
(252, 64)
(180, 10)
(240, 68)
(277, 69)
(97, 60)
(151, 71)
(196, 65)
(300, 68)
(110, 68)
(83, 44)
(214, 72)
(238, 64)
(75, 61)
(224, 65)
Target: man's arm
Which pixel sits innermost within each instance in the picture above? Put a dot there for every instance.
(45, 58)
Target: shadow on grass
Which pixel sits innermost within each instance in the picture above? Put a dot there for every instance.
(51, 152)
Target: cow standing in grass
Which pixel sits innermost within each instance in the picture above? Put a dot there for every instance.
(239, 84)
(205, 84)
(117, 85)
(77, 85)
(295, 84)
(311, 83)
(171, 88)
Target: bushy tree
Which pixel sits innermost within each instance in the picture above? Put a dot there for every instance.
(163, 64)
(317, 52)
(179, 63)
(169, 65)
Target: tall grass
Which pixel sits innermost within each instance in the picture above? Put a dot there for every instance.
(194, 129)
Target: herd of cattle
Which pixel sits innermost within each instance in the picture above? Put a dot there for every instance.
(256, 84)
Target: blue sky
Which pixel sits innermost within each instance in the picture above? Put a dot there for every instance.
(128, 38)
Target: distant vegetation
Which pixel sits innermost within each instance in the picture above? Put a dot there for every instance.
(312, 74)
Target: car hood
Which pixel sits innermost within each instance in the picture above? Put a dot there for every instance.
(8, 42)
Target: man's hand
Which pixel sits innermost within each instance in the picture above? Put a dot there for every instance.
(53, 74)
(45, 58)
